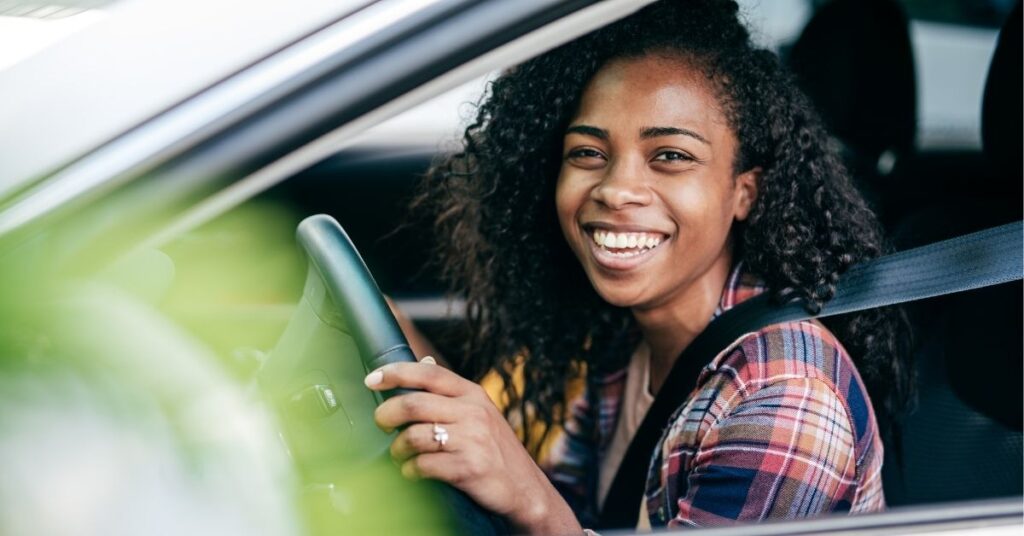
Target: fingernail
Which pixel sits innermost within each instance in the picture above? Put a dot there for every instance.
(429, 359)
(374, 378)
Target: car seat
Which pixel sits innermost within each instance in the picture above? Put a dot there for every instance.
(964, 441)
(855, 62)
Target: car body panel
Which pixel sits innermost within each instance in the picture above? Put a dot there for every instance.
(142, 59)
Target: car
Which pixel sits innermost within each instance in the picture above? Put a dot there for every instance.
(157, 158)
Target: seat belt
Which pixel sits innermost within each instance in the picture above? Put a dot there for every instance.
(968, 262)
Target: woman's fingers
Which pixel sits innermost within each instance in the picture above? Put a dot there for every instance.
(425, 376)
(417, 407)
(422, 438)
(441, 466)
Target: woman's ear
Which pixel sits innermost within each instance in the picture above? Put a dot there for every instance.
(746, 194)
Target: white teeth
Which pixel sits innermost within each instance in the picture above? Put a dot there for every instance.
(626, 240)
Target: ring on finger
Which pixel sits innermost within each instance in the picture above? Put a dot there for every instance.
(440, 436)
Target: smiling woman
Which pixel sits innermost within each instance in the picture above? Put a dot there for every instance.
(672, 186)
(614, 196)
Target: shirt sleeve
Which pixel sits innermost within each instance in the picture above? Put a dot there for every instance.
(785, 451)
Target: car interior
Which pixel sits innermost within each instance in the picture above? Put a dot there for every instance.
(855, 59)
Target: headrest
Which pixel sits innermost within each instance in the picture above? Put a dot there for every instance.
(1002, 110)
(855, 62)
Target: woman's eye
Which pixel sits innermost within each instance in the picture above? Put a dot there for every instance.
(673, 156)
(585, 153)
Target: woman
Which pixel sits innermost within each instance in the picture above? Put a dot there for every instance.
(614, 196)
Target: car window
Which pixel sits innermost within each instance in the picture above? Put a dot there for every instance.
(439, 121)
(951, 62)
(952, 44)
(979, 13)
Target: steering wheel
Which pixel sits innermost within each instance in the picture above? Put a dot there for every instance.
(341, 330)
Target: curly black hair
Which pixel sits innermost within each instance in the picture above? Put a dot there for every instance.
(528, 300)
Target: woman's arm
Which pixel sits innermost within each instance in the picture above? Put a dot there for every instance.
(418, 343)
(785, 451)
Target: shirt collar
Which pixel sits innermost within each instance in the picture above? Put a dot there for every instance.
(741, 285)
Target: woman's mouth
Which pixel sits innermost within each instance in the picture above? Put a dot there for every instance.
(623, 250)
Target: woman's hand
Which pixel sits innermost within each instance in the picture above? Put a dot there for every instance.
(481, 456)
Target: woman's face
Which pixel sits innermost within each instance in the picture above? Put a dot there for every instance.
(646, 194)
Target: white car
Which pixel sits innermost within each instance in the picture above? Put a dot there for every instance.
(155, 158)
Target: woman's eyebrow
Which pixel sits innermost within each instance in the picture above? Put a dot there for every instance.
(657, 132)
(588, 130)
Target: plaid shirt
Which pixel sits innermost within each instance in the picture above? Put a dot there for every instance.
(778, 426)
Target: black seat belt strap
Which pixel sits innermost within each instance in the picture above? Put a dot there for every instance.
(968, 262)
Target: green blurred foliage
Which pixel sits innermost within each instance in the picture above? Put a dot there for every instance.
(127, 399)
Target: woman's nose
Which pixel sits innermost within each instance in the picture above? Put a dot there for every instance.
(622, 187)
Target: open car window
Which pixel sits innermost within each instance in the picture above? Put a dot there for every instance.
(193, 245)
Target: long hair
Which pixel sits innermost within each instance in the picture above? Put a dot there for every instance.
(528, 300)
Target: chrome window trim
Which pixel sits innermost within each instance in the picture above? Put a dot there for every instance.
(171, 133)
(989, 516)
(518, 50)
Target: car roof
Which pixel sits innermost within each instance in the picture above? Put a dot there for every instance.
(140, 59)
